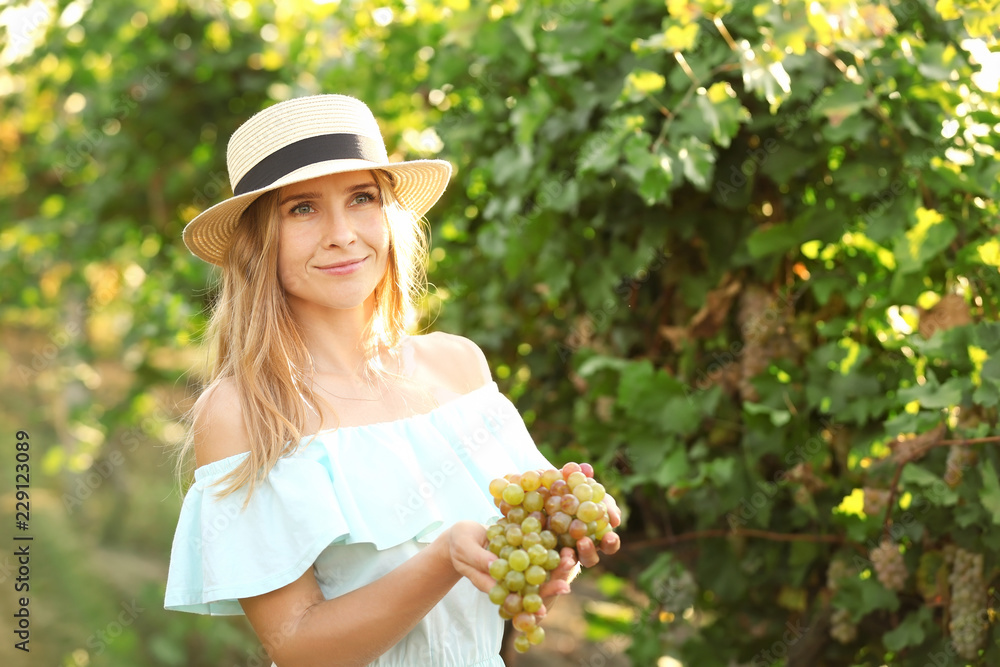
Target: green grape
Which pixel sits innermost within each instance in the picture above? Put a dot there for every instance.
(519, 560)
(521, 644)
(499, 569)
(584, 492)
(496, 544)
(559, 522)
(498, 594)
(599, 491)
(573, 481)
(566, 540)
(514, 581)
(514, 535)
(524, 621)
(588, 511)
(531, 602)
(530, 540)
(497, 486)
(533, 501)
(536, 635)
(506, 551)
(513, 494)
(494, 531)
(504, 615)
(530, 590)
(548, 539)
(536, 575)
(516, 515)
(552, 560)
(538, 554)
(531, 525)
(512, 604)
(550, 476)
(530, 481)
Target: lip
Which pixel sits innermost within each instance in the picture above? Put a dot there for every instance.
(342, 268)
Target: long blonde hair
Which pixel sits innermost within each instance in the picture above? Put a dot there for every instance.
(256, 343)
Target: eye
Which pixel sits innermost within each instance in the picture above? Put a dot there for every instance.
(301, 209)
(365, 198)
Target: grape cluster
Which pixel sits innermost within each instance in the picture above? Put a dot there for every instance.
(842, 628)
(876, 500)
(967, 626)
(959, 460)
(543, 510)
(889, 565)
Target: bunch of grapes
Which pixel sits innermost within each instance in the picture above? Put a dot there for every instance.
(967, 626)
(842, 628)
(876, 500)
(889, 565)
(543, 510)
(959, 460)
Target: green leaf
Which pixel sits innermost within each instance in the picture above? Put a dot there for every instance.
(843, 101)
(771, 240)
(862, 596)
(697, 159)
(674, 467)
(924, 241)
(931, 395)
(721, 109)
(910, 632)
(989, 495)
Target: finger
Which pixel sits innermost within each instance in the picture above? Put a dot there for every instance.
(587, 551)
(554, 587)
(483, 582)
(610, 543)
(614, 513)
(567, 561)
(478, 571)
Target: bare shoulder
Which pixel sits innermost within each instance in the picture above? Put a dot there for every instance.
(219, 429)
(455, 360)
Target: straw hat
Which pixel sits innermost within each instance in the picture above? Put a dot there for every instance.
(300, 139)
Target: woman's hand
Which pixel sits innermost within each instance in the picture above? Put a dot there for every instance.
(569, 567)
(466, 549)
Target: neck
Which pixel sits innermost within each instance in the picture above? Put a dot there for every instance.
(334, 337)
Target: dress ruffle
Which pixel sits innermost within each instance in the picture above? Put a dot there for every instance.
(383, 484)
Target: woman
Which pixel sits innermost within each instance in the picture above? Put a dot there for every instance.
(340, 494)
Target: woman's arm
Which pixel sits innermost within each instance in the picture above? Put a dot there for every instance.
(299, 628)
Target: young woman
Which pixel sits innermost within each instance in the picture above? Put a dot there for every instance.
(342, 466)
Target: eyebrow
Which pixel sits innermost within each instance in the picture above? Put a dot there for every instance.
(316, 195)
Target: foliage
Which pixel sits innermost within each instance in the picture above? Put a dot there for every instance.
(742, 255)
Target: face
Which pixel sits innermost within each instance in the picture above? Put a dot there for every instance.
(334, 244)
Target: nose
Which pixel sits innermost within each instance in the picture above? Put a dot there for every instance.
(338, 230)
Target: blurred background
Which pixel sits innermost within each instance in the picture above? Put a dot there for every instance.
(742, 256)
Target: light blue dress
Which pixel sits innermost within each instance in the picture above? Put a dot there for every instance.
(353, 504)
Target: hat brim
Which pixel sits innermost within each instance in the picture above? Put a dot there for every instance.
(419, 184)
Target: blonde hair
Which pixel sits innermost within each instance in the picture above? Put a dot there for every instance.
(257, 345)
